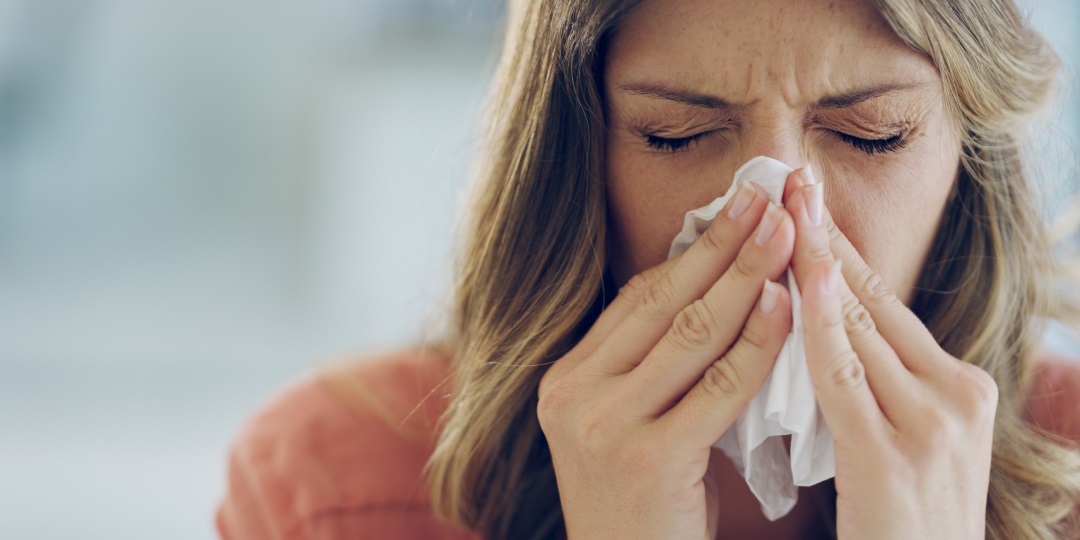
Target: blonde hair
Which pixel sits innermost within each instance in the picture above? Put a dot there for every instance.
(531, 272)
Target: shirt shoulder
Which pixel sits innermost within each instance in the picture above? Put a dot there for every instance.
(341, 453)
(1053, 403)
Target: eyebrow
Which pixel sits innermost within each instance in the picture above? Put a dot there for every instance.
(707, 101)
(853, 98)
(686, 97)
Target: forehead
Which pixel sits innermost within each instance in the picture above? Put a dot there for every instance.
(745, 50)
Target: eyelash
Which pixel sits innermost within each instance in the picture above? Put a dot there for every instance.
(671, 145)
(870, 146)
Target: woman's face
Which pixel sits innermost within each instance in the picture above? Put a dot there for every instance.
(695, 88)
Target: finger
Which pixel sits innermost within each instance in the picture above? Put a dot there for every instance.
(688, 279)
(705, 329)
(806, 204)
(889, 380)
(628, 295)
(847, 403)
(727, 385)
(900, 327)
(796, 179)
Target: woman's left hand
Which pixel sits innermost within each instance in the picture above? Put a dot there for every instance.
(912, 425)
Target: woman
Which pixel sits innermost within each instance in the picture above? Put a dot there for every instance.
(555, 407)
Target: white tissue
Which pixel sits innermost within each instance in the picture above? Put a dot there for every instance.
(785, 405)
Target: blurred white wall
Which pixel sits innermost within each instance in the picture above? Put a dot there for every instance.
(199, 201)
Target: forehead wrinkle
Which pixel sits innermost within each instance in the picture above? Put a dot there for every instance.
(749, 78)
(797, 72)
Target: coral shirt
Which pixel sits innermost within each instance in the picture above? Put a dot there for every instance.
(340, 461)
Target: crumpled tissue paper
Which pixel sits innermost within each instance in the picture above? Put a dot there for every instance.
(785, 405)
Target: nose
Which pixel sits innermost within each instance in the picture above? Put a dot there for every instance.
(779, 142)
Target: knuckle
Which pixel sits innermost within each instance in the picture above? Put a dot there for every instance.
(591, 431)
(832, 322)
(714, 239)
(979, 389)
(873, 287)
(556, 378)
(847, 370)
(545, 383)
(834, 231)
(936, 425)
(820, 251)
(721, 378)
(693, 326)
(753, 336)
(657, 296)
(640, 283)
(550, 407)
(857, 320)
(743, 270)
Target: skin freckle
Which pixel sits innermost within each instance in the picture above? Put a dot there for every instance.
(888, 203)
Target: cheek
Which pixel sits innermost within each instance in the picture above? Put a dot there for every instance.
(640, 217)
(648, 196)
(890, 211)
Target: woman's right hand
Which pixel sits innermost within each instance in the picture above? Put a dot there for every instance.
(630, 413)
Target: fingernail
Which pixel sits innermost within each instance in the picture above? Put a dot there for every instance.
(832, 277)
(806, 176)
(769, 223)
(741, 201)
(769, 296)
(812, 198)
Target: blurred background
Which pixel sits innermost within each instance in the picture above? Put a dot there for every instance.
(202, 200)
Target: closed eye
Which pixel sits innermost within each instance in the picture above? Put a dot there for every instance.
(664, 144)
(875, 146)
(870, 146)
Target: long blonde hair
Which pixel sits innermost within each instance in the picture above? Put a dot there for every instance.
(531, 272)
